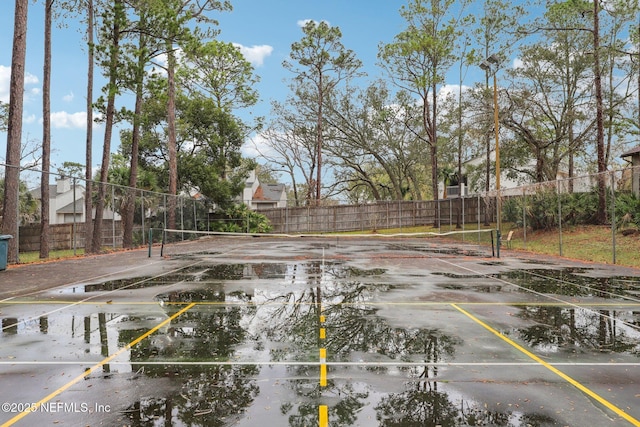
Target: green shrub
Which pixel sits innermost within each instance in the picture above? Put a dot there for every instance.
(240, 219)
(627, 211)
(541, 209)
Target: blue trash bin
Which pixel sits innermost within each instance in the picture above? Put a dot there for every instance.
(4, 249)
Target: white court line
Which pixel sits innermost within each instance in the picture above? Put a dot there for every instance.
(100, 294)
(77, 282)
(316, 363)
(92, 297)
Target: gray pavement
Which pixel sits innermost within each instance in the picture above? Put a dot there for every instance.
(300, 332)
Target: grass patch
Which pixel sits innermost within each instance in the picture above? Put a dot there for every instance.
(31, 257)
(588, 243)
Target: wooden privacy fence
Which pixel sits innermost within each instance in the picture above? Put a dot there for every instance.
(68, 236)
(322, 219)
(380, 215)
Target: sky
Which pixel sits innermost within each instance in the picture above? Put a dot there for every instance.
(264, 29)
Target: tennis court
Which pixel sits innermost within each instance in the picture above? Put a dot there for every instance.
(328, 331)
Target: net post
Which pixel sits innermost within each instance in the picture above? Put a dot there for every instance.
(498, 238)
(493, 248)
(164, 234)
(150, 240)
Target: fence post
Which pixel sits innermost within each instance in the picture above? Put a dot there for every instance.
(613, 215)
(524, 216)
(478, 216)
(559, 216)
(195, 216)
(113, 217)
(164, 213)
(73, 230)
(182, 216)
(142, 214)
(150, 239)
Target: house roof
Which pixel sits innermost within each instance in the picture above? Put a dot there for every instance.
(268, 193)
(631, 152)
(53, 191)
(68, 209)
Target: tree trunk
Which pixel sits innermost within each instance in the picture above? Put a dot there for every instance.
(171, 135)
(319, 142)
(602, 166)
(46, 134)
(14, 131)
(130, 205)
(88, 201)
(96, 243)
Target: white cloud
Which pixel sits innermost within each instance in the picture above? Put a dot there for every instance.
(31, 118)
(5, 81)
(68, 97)
(30, 79)
(256, 147)
(450, 89)
(5, 77)
(255, 54)
(62, 119)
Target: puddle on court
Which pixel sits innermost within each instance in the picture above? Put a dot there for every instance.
(571, 330)
(573, 282)
(249, 354)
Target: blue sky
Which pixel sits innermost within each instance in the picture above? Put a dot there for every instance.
(264, 29)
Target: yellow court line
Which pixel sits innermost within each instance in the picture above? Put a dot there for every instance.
(89, 371)
(556, 371)
(323, 415)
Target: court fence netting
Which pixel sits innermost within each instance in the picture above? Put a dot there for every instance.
(480, 242)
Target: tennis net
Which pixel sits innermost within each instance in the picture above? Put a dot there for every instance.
(481, 243)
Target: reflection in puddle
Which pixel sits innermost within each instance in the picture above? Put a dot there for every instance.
(248, 354)
(576, 330)
(573, 282)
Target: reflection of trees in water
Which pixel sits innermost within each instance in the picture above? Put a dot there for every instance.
(572, 282)
(201, 395)
(572, 329)
(208, 396)
(420, 405)
(342, 413)
(353, 326)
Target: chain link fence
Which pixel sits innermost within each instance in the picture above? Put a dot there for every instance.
(526, 211)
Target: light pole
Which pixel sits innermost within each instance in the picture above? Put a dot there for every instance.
(490, 65)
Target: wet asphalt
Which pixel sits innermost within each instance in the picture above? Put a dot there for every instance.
(324, 331)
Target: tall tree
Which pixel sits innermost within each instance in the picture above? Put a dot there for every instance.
(418, 59)
(115, 19)
(14, 131)
(496, 33)
(213, 164)
(175, 23)
(138, 55)
(46, 132)
(549, 103)
(372, 146)
(290, 147)
(602, 165)
(219, 70)
(88, 200)
(320, 63)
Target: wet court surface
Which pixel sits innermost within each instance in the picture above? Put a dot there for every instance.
(308, 332)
